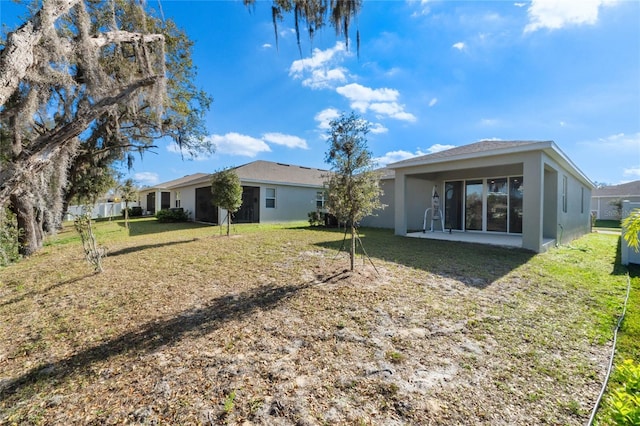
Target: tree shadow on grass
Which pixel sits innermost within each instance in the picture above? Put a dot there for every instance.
(46, 290)
(134, 249)
(147, 226)
(154, 334)
(476, 265)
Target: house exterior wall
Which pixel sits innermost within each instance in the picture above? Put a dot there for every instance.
(573, 214)
(603, 208)
(549, 205)
(383, 218)
(292, 203)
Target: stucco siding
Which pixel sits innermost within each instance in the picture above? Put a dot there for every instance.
(292, 203)
(383, 218)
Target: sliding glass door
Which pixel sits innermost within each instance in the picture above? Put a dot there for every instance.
(473, 205)
(492, 205)
(497, 205)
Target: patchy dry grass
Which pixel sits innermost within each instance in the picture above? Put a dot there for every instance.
(189, 327)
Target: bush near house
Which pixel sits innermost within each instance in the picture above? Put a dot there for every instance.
(133, 212)
(172, 215)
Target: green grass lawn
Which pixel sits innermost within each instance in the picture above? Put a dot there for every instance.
(186, 326)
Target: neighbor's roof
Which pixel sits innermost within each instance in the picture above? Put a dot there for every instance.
(183, 181)
(629, 189)
(270, 172)
(258, 172)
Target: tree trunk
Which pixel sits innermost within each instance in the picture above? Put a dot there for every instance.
(30, 237)
(352, 252)
(126, 214)
(228, 222)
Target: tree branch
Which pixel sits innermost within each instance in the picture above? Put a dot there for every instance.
(47, 146)
(17, 56)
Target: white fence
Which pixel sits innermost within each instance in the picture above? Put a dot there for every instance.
(99, 210)
(628, 254)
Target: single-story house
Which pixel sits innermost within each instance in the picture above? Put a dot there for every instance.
(271, 192)
(526, 189)
(606, 201)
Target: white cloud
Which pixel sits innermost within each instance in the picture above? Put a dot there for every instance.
(395, 156)
(358, 93)
(433, 101)
(556, 14)
(520, 4)
(459, 45)
(381, 101)
(289, 141)
(146, 178)
(377, 128)
(617, 143)
(391, 109)
(267, 46)
(321, 71)
(237, 144)
(633, 171)
(439, 147)
(325, 116)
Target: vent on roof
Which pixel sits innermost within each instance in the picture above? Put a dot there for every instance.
(303, 167)
(282, 164)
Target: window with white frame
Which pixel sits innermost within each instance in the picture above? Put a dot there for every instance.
(320, 200)
(178, 199)
(270, 198)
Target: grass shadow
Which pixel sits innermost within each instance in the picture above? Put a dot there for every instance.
(46, 290)
(134, 249)
(154, 334)
(476, 265)
(147, 226)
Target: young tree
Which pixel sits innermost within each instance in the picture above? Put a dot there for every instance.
(128, 193)
(227, 193)
(353, 186)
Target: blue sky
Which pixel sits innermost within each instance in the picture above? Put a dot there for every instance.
(431, 75)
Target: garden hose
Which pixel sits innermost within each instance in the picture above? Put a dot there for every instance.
(613, 352)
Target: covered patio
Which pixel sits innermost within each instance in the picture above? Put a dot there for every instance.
(503, 240)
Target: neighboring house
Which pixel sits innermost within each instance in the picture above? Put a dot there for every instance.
(529, 189)
(607, 200)
(271, 192)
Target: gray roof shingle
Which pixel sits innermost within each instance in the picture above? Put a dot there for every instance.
(629, 189)
(464, 150)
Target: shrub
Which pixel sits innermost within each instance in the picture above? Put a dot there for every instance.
(133, 211)
(316, 218)
(623, 406)
(172, 215)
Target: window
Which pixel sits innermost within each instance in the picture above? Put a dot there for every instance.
(270, 198)
(564, 193)
(582, 200)
(320, 200)
(178, 200)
